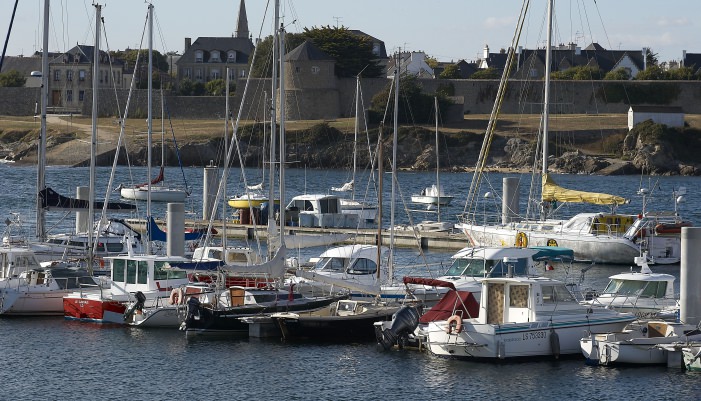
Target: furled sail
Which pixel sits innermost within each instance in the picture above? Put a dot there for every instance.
(553, 192)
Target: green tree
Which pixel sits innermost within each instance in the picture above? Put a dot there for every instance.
(352, 53)
(651, 57)
(414, 105)
(432, 62)
(652, 73)
(160, 62)
(486, 73)
(681, 74)
(450, 72)
(262, 65)
(579, 73)
(619, 74)
(217, 87)
(188, 87)
(12, 78)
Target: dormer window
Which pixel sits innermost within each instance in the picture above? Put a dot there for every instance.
(315, 70)
(214, 57)
(199, 56)
(231, 56)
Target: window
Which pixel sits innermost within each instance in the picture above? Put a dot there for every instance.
(81, 97)
(215, 74)
(242, 73)
(142, 272)
(332, 264)
(297, 69)
(556, 294)
(187, 73)
(232, 73)
(69, 95)
(198, 73)
(315, 70)
(199, 56)
(57, 75)
(363, 266)
(214, 57)
(231, 56)
(533, 73)
(81, 75)
(518, 296)
(69, 75)
(118, 270)
(131, 272)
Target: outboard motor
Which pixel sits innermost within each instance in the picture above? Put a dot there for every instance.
(138, 305)
(404, 321)
(193, 313)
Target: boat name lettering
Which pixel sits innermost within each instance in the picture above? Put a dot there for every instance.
(534, 335)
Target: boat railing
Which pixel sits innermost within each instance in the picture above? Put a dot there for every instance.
(643, 306)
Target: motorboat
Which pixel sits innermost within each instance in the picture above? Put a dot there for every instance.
(142, 280)
(341, 321)
(515, 317)
(40, 291)
(432, 196)
(644, 293)
(321, 210)
(639, 344)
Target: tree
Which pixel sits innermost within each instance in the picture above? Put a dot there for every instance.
(217, 87)
(451, 71)
(619, 74)
(486, 73)
(681, 74)
(12, 78)
(650, 57)
(414, 105)
(578, 73)
(262, 65)
(352, 52)
(191, 88)
(432, 62)
(160, 62)
(652, 73)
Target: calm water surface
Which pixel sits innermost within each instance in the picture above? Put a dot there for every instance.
(49, 358)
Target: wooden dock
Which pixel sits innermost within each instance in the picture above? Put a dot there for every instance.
(404, 238)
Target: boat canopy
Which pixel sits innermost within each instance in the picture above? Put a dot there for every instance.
(52, 200)
(553, 192)
(461, 303)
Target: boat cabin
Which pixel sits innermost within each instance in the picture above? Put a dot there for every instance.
(522, 299)
(349, 259)
(493, 262)
(645, 294)
(600, 223)
(145, 273)
(15, 260)
(239, 255)
(319, 211)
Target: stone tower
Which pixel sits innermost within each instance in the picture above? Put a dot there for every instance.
(311, 86)
(242, 22)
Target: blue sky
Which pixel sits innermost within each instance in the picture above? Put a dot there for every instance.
(447, 30)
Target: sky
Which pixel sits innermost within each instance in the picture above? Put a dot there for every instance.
(448, 30)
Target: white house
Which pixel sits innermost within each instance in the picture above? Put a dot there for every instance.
(412, 63)
(668, 115)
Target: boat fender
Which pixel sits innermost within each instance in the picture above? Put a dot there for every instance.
(454, 325)
(176, 296)
(554, 343)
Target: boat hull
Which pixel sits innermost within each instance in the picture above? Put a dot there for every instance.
(157, 194)
(331, 328)
(443, 200)
(636, 351)
(93, 309)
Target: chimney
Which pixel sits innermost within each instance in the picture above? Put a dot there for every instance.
(485, 55)
(644, 58)
(188, 43)
(683, 58)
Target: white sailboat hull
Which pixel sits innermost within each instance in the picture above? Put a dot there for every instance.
(158, 194)
(587, 247)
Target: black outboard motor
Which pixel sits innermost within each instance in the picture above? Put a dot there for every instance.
(138, 305)
(193, 313)
(404, 322)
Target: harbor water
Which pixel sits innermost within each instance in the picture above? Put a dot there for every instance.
(50, 358)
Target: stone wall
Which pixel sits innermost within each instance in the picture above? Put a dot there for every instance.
(568, 97)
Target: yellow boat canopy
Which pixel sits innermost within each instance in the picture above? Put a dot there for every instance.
(553, 192)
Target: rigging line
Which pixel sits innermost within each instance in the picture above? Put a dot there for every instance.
(7, 38)
(175, 142)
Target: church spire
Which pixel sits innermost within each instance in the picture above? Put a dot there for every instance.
(242, 22)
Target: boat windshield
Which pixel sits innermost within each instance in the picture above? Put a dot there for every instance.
(653, 289)
(486, 268)
(332, 264)
(557, 293)
(163, 271)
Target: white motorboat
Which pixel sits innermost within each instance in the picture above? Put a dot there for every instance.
(639, 344)
(320, 210)
(645, 294)
(432, 196)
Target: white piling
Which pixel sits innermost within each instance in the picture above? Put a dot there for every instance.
(209, 190)
(176, 229)
(81, 218)
(510, 199)
(690, 276)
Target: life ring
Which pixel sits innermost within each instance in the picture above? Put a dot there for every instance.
(454, 320)
(521, 240)
(176, 296)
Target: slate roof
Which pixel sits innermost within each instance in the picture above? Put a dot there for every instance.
(306, 52)
(243, 46)
(24, 65)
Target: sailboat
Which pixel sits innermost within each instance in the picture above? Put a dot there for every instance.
(598, 236)
(434, 195)
(159, 191)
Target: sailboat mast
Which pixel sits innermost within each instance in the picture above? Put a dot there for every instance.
(394, 162)
(438, 165)
(355, 138)
(546, 87)
(282, 136)
(93, 138)
(226, 152)
(41, 150)
(149, 125)
(273, 131)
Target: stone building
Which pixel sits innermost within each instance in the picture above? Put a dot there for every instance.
(311, 86)
(208, 57)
